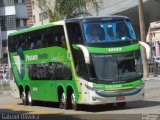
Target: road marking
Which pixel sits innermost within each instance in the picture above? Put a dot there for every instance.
(28, 109)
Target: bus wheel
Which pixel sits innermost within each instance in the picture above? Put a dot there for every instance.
(63, 101)
(121, 104)
(73, 102)
(24, 98)
(29, 98)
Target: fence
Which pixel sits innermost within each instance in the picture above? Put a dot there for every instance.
(4, 84)
(154, 68)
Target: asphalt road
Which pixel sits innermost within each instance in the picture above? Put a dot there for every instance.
(148, 109)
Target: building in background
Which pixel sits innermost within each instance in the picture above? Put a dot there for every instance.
(40, 12)
(29, 13)
(153, 37)
(13, 17)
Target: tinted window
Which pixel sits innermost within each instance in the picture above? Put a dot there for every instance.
(81, 69)
(108, 31)
(48, 37)
(49, 71)
(74, 33)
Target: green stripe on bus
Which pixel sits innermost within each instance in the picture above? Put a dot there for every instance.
(31, 29)
(118, 86)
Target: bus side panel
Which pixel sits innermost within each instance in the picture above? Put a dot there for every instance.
(46, 61)
(15, 69)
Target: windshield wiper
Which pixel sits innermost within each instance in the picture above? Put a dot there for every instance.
(126, 38)
(131, 76)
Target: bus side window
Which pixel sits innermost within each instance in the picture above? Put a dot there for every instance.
(81, 69)
(79, 40)
(21, 43)
(74, 33)
(49, 71)
(63, 42)
(59, 37)
(67, 73)
(39, 40)
(31, 43)
(24, 44)
(52, 67)
(48, 38)
(36, 39)
(63, 72)
(11, 44)
(59, 40)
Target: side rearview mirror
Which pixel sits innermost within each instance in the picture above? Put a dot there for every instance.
(85, 53)
(147, 47)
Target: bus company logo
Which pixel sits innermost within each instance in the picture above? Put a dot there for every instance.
(113, 86)
(36, 57)
(115, 49)
(31, 57)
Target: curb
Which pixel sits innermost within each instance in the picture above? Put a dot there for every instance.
(152, 78)
(4, 93)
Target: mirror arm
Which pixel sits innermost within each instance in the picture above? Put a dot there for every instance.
(85, 53)
(147, 47)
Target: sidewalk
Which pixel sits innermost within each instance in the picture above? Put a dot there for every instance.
(4, 93)
(4, 88)
(151, 77)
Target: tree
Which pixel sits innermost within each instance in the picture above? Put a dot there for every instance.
(67, 8)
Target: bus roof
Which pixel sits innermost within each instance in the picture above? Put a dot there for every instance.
(85, 19)
(31, 29)
(98, 18)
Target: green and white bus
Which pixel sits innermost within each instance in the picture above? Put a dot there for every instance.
(91, 60)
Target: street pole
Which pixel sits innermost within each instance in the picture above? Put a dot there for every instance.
(0, 46)
(97, 9)
(150, 40)
(143, 37)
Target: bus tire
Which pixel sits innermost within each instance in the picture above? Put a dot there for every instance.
(63, 101)
(73, 102)
(24, 98)
(29, 98)
(121, 104)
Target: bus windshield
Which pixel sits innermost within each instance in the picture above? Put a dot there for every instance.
(108, 31)
(115, 67)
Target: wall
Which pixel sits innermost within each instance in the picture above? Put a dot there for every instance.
(21, 10)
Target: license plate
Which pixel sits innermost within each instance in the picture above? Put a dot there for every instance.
(120, 98)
